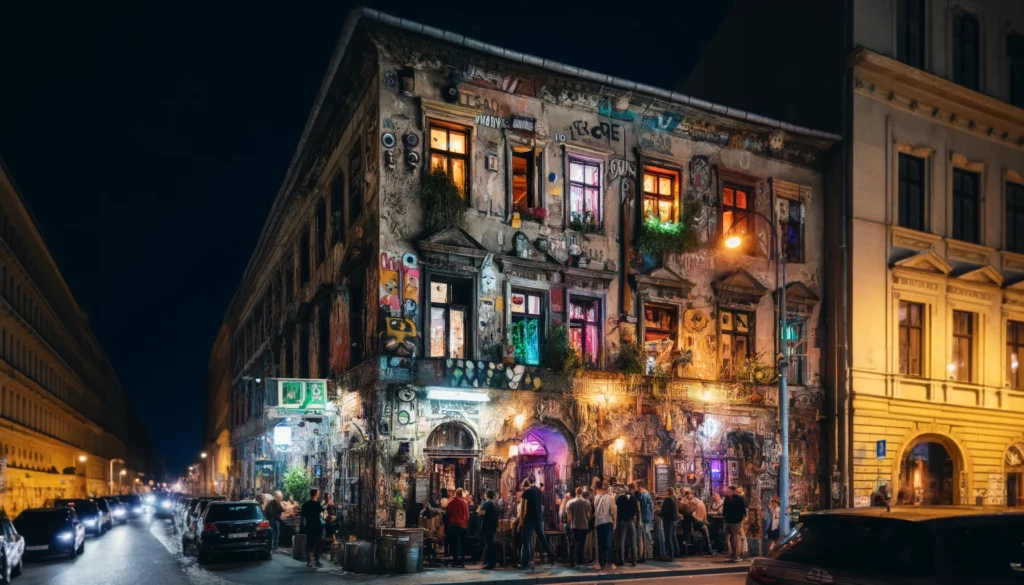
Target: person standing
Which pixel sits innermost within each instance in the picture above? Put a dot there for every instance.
(715, 509)
(627, 509)
(578, 514)
(733, 511)
(489, 513)
(531, 520)
(313, 528)
(273, 511)
(773, 523)
(604, 520)
(458, 524)
(669, 516)
(700, 516)
(646, 519)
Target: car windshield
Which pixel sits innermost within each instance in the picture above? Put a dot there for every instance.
(874, 546)
(229, 512)
(82, 507)
(33, 522)
(131, 500)
(992, 548)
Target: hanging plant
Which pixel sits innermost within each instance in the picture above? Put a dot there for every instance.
(632, 360)
(443, 204)
(562, 356)
(656, 236)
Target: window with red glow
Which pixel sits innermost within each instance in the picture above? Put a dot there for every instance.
(584, 329)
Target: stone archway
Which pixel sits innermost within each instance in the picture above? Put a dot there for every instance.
(930, 470)
(1013, 468)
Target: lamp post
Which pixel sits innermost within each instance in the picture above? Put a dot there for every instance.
(111, 476)
(783, 364)
(203, 457)
(120, 476)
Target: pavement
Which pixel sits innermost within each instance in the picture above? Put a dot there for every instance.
(149, 550)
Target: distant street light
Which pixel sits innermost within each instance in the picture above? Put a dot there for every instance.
(111, 476)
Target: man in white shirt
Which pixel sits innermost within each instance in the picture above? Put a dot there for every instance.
(604, 520)
(700, 511)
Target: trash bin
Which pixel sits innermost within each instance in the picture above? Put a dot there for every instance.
(359, 556)
(408, 556)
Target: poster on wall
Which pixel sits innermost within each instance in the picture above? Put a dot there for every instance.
(662, 475)
(300, 396)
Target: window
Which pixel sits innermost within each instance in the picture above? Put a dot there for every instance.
(736, 201)
(659, 194)
(910, 32)
(660, 322)
(963, 345)
(449, 316)
(737, 332)
(966, 50)
(304, 351)
(1014, 347)
(584, 330)
(584, 192)
(1015, 217)
(1015, 51)
(911, 320)
(794, 242)
(911, 192)
(338, 208)
(523, 183)
(965, 206)
(448, 153)
(355, 184)
(321, 232)
(527, 326)
(304, 256)
(796, 351)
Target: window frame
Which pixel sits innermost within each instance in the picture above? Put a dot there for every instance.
(356, 182)
(748, 246)
(659, 172)
(796, 351)
(1014, 244)
(920, 328)
(1015, 68)
(750, 335)
(532, 195)
(541, 318)
(574, 158)
(795, 252)
(448, 306)
(903, 179)
(960, 19)
(963, 342)
(597, 302)
(320, 218)
(448, 128)
(305, 256)
(959, 198)
(1014, 349)
(904, 29)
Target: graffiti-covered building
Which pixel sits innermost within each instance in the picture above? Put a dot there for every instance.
(507, 266)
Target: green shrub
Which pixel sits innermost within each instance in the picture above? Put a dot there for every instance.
(562, 356)
(632, 359)
(443, 204)
(296, 484)
(656, 237)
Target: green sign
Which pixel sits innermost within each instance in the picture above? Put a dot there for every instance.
(302, 395)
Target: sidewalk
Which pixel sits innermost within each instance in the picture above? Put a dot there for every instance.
(543, 575)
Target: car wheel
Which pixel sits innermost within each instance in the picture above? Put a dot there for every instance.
(81, 548)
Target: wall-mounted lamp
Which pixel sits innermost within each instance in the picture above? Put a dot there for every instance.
(519, 421)
(513, 451)
(620, 444)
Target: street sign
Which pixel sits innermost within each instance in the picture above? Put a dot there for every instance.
(880, 449)
(301, 395)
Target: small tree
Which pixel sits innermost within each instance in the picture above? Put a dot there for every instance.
(296, 484)
(443, 204)
(562, 356)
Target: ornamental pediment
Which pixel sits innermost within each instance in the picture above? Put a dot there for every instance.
(986, 275)
(740, 287)
(926, 261)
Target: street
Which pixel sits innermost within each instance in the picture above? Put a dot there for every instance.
(148, 549)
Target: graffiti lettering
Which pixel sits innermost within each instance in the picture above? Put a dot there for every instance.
(523, 124)
(599, 131)
(621, 168)
(490, 121)
(605, 109)
(663, 122)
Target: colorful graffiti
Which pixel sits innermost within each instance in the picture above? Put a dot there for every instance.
(390, 284)
(410, 286)
(400, 337)
(455, 373)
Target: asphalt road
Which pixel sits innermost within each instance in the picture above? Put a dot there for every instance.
(148, 550)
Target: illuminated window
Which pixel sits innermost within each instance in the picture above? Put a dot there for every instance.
(527, 326)
(523, 182)
(1014, 347)
(736, 329)
(794, 236)
(660, 322)
(796, 351)
(911, 320)
(966, 50)
(966, 196)
(963, 345)
(585, 192)
(584, 328)
(449, 317)
(736, 203)
(449, 147)
(660, 194)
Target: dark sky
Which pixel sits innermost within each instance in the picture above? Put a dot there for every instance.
(150, 141)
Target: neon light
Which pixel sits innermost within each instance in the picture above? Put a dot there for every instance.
(445, 394)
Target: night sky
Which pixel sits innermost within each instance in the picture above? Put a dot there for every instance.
(151, 140)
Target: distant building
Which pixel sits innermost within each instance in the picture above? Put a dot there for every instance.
(929, 96)
(590, 214)
(63, 413)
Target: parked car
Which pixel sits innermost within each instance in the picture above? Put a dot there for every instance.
(51, 531)
(133, 505)
(95, 517)
(118, 511)
(12, 550)
(868, 546)
(163, 506)
(229, 528)
(200, 505)
(186, 511)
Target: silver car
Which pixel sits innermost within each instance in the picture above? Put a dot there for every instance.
(912, 545)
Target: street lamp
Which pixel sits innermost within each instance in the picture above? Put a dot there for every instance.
(123, 473)
(733, 242)
(203, 470)
(111, 476)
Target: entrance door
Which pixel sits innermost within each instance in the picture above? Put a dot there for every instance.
(1013, 484)
(926, 476)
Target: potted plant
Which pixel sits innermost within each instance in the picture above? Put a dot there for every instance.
(584, 223)
(443, 204)
(657, 237)
(537, 214)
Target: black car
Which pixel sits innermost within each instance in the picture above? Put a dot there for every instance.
(133, 505)
(231, 527)
(163, 505)
(90, 513)
(118, 511)
(51, 531)
(12, 550)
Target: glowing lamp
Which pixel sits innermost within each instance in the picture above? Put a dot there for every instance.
(81, 458)
(706, 396)
(519, 421)
(513, 451)
(620, 444)
(457, 395)
(282, 436)
(124, 473)
(733, 242)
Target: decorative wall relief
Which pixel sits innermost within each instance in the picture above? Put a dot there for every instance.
(491, 308)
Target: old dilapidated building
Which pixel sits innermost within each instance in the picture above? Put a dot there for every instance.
(579, 316)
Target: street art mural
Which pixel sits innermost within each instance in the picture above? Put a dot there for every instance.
(410, 286)
(390, 284)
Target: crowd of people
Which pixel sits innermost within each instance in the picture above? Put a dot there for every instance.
(318, 521)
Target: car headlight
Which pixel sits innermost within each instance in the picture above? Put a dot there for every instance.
(137, 509)
(119, 512)
(165, 504)
(65, 536)
(89, 522)
(149, 499)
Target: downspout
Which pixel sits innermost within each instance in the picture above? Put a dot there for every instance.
(846, 207)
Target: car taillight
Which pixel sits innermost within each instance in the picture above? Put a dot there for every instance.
(758, 574)
(209, 527)
(265, 525)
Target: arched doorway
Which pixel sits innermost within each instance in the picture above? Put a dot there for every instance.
(451, 454)
(545, 454)
(1014, 464)
(928, 471)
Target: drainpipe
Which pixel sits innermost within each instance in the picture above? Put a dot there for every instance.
(845, 204)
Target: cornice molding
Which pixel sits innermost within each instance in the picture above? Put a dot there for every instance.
(961, 161)
(933, 97)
